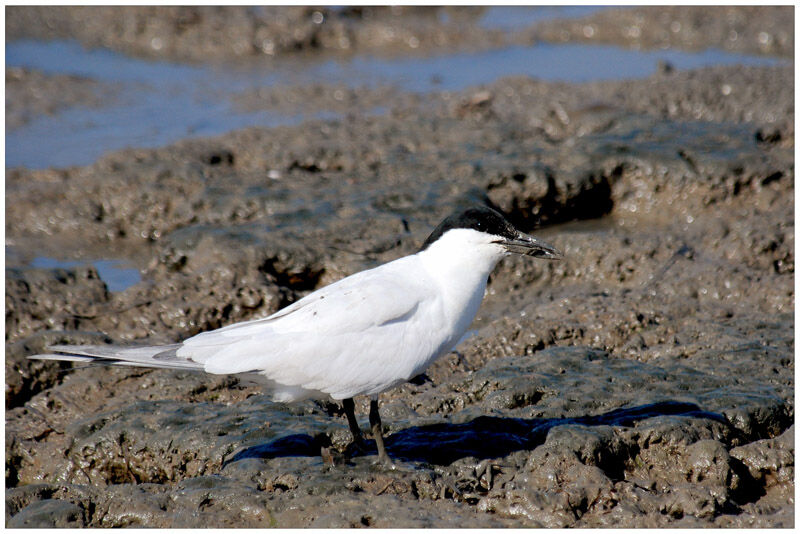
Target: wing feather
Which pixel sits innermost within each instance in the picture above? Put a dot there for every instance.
(312, 343)
(155, 356)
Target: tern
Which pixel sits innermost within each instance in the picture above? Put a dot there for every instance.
(361, 335)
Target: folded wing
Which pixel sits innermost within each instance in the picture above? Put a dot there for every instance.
(352, 337)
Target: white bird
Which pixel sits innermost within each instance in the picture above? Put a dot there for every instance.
(362, 335)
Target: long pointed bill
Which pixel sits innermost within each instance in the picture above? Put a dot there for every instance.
(528, 245)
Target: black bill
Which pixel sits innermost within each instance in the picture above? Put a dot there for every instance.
(528, 245)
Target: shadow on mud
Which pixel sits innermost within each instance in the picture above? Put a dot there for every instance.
(483, 437)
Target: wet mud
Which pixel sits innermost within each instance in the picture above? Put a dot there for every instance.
(747, 29)
(196, 33)
(644, 381)
(30, 93)
(202, 33)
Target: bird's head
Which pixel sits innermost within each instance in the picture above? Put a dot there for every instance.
(484, 227)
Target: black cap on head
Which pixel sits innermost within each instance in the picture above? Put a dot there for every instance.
(480, 218)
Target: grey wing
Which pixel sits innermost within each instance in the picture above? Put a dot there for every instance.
(342, 340)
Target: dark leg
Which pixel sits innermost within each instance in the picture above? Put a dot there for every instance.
(350, 412)
(377, 432)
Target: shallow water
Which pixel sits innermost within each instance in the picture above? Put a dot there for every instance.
(156, 102)
(117, 275)
(545, 61)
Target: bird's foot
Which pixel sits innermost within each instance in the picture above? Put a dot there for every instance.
(384, 462)
(365, 448)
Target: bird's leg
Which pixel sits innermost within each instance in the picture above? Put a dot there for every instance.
(350, 412)
(377, 431)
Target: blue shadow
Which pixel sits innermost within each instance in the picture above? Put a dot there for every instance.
(483, 437)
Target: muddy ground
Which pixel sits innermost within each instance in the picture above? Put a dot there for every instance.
(34, 93)
(213, 33)
(647, 380)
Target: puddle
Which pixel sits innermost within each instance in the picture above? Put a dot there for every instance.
(117, 274)
(159, 102)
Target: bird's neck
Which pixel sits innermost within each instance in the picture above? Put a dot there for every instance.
(461, 254)
(461, 272)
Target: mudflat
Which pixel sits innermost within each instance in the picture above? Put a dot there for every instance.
(644, 381)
